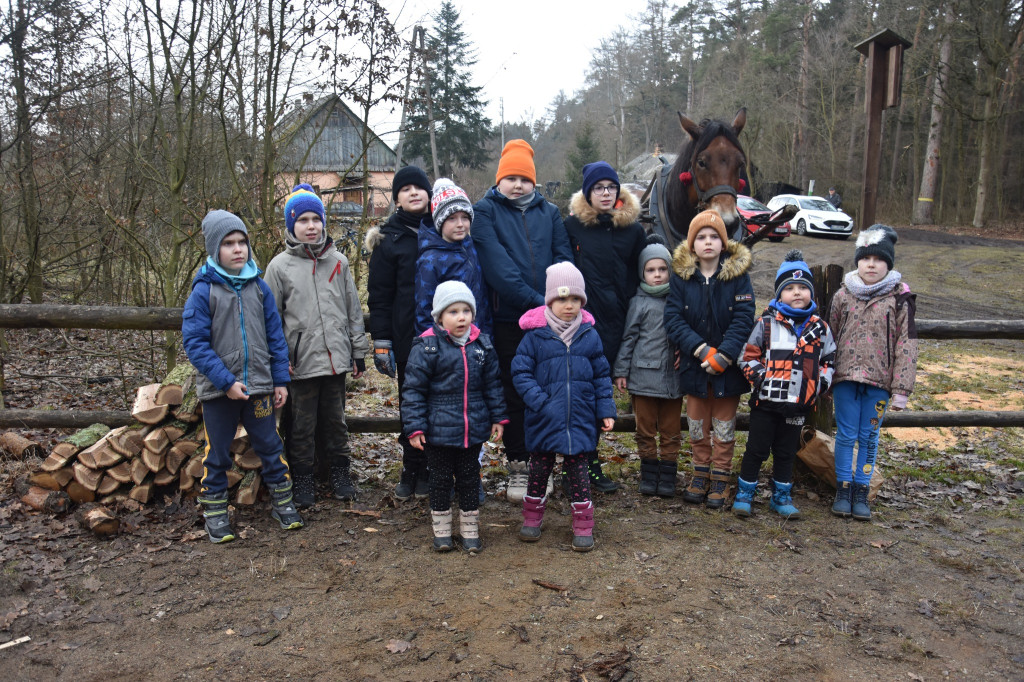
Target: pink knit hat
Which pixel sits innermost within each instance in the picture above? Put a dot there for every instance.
(564, 280)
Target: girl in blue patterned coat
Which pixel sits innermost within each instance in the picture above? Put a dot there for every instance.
(565, 381)
(451, 403)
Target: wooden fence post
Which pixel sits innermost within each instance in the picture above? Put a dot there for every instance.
(828, 280)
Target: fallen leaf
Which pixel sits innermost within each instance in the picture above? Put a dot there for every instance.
(371, 529)
(551, 586)
(398, 646)
(882, 544)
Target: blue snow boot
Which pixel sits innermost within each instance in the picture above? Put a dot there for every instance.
(744, 497)
(841, 506)
(861, 510)
(782, 501)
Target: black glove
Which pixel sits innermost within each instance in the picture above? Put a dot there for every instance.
(360, 365)
(384, 358)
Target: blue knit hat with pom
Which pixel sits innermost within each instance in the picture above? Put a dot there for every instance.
(793, 271)
(303, 199)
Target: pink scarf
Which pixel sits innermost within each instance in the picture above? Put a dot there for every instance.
(565, 330)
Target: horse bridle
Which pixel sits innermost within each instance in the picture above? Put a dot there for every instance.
(686, 177)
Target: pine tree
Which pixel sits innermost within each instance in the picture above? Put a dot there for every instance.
(461, 129)
(586, 149)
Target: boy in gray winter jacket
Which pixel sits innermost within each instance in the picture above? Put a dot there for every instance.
(323, 324)
(644, 366)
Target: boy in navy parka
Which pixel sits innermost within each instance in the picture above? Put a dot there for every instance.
(564, 378)
(452, 402)
(232, 334)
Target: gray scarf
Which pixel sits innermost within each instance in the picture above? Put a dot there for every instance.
(523, 202)
(565, 330)
(866, 292)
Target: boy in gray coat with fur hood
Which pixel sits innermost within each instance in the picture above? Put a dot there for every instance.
(644, 366)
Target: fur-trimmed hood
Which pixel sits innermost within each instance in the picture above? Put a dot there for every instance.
(737, 261)
(373, 237)
(622, 216)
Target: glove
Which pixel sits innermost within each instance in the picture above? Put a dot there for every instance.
(360, 364)
(384, 358)
(899, 402)
(715, 362)
(701, 349)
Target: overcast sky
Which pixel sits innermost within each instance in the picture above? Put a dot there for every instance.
(526, 51)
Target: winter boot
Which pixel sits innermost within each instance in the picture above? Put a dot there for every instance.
(422, 489)
(518, 479)
(842, 505)
(406, 484)
(667, 479)
(744, 497)
(582, 526)
(719, 492)
(442, 522)
(533, 518)
(648, 477)
(469, 530)
(341, 480)
(282, 506)
(860, 509)
(782, 501)
(598, 481)
(215, 512)
(699, 484)
(304, 490)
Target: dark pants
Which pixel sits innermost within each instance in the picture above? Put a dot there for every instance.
(771, 433)
(507, 336)
(317, 402)
(221, 417)
(459, 464)
(576, 472)
(413, 460)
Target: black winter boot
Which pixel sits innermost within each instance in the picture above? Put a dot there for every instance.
(598, 481)
(667, 479)
(341, 480)
(215, 513)
(304, 490)
(422, 489)
(406, 485)
(282, 506)
(648, 477)
(861, 509)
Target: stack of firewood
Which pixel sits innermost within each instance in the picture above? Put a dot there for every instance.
(162, 452)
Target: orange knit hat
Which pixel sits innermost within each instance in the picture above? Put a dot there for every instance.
(704, 219)
(517, 159)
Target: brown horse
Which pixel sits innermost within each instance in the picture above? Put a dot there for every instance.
(706, 175)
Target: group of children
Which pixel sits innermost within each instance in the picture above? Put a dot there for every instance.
(501, 321)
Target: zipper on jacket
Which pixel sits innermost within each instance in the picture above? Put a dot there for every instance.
(529, 245)
(465, 398)
(568, 397)
(245, 340)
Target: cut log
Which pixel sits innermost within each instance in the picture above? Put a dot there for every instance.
(156, 441)
(190, 408)
(98, 519)
(41, 499)
(164, 477)
(139, 471)
(42, 479)
(133, 440)
(107, 485)
(122, 473)
(20, 447)
(175, 430)
(187, 445)
(248, 460)
(63, 476)
(145, 409)
(88, 478)
(115, 441)
(235, 476)
(106, 457)
(142, 492)
(241, 441)
(248, 488)
(62, 453)
(153, 461)
(175, 458)
(79, 493)
(175, 383)
(186, 483)
(168, 395)
(114, 499)
(88, 456)
(195, 466)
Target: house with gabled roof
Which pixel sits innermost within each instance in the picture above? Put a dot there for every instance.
(321, 145)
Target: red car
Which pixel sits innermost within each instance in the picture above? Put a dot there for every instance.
(750, 207)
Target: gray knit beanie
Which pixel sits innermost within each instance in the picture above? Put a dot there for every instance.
(652, 251)
(219, 224)
(452, 291)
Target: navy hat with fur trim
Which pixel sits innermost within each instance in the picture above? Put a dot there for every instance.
(793, 271)
(878, 240)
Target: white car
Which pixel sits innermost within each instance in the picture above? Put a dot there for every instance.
(816, 215)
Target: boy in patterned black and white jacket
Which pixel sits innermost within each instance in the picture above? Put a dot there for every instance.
(788, 359)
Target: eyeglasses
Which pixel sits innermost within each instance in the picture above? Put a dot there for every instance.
(605, 189)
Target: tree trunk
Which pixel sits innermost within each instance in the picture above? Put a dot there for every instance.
(924, 207)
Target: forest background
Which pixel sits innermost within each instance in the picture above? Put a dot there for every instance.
(125, 122)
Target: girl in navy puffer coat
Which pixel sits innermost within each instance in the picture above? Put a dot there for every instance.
(451, 403)
(564, 378)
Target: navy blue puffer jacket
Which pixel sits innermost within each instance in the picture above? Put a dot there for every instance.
(567, 389)
(452, 393)
(718, 311)
(441, 261)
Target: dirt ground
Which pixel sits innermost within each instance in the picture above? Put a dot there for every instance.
(931, 589)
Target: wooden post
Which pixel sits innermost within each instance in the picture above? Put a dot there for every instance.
(884, 52)
(828, 280)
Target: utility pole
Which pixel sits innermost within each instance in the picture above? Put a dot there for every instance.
(501, 108)
(417, 34)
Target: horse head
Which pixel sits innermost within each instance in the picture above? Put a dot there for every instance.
(707, 173)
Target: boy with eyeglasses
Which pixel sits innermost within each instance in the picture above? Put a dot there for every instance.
(606, 240)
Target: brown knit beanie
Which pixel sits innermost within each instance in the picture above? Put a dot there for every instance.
(706, 219)
(517, 159)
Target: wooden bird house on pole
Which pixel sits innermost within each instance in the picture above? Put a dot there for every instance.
(884, 52)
